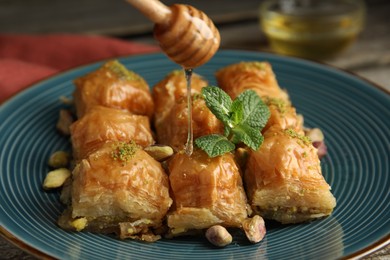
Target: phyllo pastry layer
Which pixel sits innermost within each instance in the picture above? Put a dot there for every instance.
(103, 124)
(284, 180)
(206, 191)
(118, 188)
(112, 85)
(171, 111)
(258, 76)
(173, 87)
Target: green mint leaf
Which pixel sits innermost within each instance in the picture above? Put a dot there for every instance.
(243, 120)
(214, 144)
(227, 130)
(237, 112)
(218, 102)
(248, 135)
(255, 111)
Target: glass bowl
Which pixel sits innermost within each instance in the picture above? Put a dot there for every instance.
(311, 28)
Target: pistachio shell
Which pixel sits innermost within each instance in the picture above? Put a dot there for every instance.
(254, 228)
(315, 134)
(218, 236)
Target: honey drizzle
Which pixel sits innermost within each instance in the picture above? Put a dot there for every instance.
(190, 135)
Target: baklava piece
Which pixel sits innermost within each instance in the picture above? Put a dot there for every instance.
(284, 180)
(112, 85)
(119, 189)
(206, 191)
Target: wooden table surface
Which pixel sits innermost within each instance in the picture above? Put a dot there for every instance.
(368, 57)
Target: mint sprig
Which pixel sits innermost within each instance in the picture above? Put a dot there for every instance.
(243, 120)
(219, 103)
(256, 112)
(214, 144)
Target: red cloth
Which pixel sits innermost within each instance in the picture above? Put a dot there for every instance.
(26, 59)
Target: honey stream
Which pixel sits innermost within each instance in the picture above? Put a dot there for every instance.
(190, 135)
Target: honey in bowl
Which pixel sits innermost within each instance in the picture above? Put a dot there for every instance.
(311, 28)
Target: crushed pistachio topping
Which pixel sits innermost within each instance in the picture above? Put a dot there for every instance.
(305, 139)
(121, 71)
(177, 73)
(280, 104)
(124, 151)
(255, 65)
(197, 96)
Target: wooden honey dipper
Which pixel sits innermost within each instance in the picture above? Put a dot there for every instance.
(185, 34)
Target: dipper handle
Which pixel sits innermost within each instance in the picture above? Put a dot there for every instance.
(154, 10)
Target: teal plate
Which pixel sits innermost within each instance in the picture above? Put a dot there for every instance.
(353, 114)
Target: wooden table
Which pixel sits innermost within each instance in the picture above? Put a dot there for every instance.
(368, 57)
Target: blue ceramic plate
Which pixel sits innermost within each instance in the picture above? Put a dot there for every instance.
(354, 115)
